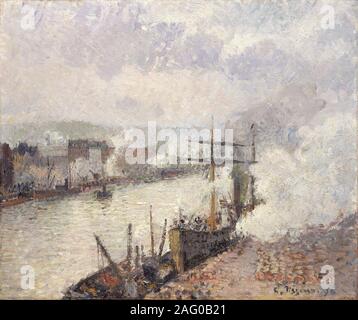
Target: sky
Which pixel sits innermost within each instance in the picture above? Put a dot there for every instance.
(177, 62)
(288, 66)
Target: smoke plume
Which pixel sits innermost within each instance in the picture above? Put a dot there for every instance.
(315, 184)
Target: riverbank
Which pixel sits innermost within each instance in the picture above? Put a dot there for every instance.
(111, 181)
(285, 269)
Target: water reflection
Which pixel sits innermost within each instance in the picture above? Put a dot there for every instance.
(55, 237)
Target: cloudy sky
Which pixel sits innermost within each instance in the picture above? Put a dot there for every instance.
(177, 62)
(287, 65)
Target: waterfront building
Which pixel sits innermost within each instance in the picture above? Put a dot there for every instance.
(86, 160)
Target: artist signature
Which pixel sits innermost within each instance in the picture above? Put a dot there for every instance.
(284, 289)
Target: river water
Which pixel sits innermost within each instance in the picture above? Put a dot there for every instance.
(55, 237)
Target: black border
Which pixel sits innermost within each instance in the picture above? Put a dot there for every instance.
(120, 309)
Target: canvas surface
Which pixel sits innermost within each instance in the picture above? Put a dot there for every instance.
(178, 149)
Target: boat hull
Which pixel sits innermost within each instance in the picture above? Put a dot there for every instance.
(190, 247)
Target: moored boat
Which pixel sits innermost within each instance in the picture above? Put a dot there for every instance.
(104, 194)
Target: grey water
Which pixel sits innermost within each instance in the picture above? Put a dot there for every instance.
(55, 237)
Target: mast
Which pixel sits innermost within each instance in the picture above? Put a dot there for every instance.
(129, 245)
(253, 148)
(69, 175)
(212, 217)
(251, 187)
(49, 171)
(237, 194)
(105, 253)
(250, 193)
(142, 255)
(161, 246)
(137, 257)
(151, 231)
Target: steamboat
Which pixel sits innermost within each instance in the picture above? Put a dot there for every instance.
(191, 241)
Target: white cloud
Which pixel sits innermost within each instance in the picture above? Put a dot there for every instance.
(178, 61)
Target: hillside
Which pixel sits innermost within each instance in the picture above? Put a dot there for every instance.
(35, 133)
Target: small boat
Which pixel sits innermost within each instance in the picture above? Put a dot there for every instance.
(13, 201)
(104, 194)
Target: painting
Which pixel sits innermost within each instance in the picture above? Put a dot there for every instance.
(178, 150)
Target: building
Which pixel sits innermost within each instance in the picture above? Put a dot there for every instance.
(23, 148)
(53, 166)
(55, 159)
(86, 160)
(6, 168)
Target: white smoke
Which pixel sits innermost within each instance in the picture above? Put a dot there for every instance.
(198, 202)
(110, 168)
(54, 138)
(313, 185)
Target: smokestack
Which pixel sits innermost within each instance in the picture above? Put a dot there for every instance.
(237, 194)
(137, 257)
(253, 147)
